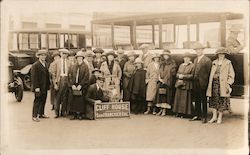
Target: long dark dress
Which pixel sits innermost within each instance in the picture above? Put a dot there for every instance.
(164, 95)
(77, 103)
(216, 101)
(129, 68)
(183, 97)
(137, 89)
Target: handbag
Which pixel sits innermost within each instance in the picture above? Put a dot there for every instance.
(77, 92)
(179, 83)
(162, 91)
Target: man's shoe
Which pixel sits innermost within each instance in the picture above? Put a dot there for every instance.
(57, 116)
(43, 116)
(73, 118)
(35, 119)
(195, 118)
(80, 118)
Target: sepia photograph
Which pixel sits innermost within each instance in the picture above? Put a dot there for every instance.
(124, 77)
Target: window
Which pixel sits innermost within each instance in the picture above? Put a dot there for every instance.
(23, 41)
(122, 34)
(34, 43)
(43, 41)
(168, 33)
(144, 34)
(181, 35)
(210, 33)
(52, 41)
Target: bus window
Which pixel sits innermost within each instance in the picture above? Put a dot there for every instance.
(52, 41)
(43, 41)
(34, 41)
(23, 41)
(74, 40)
(13, 41)
(168, 33)
(181, 35)
(122, 34)
(210, 34)
(144, 34)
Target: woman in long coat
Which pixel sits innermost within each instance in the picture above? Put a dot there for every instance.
(137, 88)
(219, 87)
(152, 77)
(112, 73)
(78, 82)
(164, 96)
(129, 68)
(183, 98)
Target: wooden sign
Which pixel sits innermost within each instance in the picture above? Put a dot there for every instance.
(112, 110)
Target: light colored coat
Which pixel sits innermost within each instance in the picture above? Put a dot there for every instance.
(227, 75)
(152, 76)
(56, 71)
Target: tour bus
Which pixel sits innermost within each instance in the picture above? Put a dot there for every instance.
(23, 45)
(177, 31)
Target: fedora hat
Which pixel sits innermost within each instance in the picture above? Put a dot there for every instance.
(132, 53)
(56, 53)
(98, 50)
(166, 52)
(111, 53)
(155, 55)
(143, 46)
(40, 52)
(79, 54)
(235, 28)
(138, 60)
(72, 53)
(198, 46)
(63, 50)
(222, 50)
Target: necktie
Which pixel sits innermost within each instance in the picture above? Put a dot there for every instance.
(63, 66)
(77, 75)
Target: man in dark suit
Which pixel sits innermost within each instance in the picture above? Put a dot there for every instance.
(94, 95)
(40, 85)
(201, 76)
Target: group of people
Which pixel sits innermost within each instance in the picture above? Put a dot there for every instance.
(151, 82)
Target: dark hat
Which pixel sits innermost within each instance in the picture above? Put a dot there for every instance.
(222, 50)
(83, 49)
(98, 50)
(101, 78)
(111, 53)
(89, 53)
(96, 70)
(155, 55)
(40, 52)
(187, 54)
(56, 53)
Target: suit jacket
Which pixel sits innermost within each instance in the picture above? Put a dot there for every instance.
(56, 72)
(201, 72)
(40, 77)
(226, 75)
(93, 95)
(137, 85)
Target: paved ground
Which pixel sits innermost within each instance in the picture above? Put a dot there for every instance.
(137, 132)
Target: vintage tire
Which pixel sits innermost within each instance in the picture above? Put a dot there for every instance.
(27, 82)
(19, 90)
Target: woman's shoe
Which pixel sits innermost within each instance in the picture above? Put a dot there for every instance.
(159, 113)
(213, 120)
(163, 112)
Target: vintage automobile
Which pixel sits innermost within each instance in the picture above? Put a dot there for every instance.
(23, 45)
(15, 84)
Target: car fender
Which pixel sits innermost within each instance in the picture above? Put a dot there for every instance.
(25, 70)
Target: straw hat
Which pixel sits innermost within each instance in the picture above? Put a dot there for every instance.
(63, 50)
(89, 54)
(132, 53)
(40, 52)
(198, 46)
(79, 54)
(143, 46)
(166, 52)
(56, 53)
(155, 55)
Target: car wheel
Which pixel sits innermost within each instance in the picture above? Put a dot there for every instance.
(27, 82)
(19, 91)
